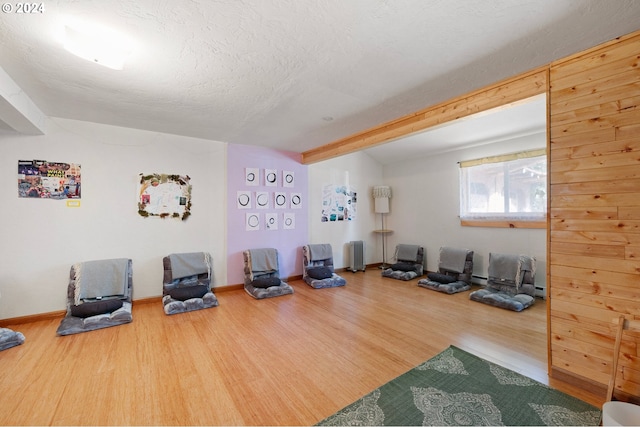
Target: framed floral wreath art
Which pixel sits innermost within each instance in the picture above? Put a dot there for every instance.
(164, 196)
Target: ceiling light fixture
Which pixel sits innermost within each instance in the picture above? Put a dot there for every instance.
(97, 44)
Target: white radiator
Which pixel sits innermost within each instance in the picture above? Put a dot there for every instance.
(356, 256)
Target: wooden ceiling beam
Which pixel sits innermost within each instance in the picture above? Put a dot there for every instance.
(503, 93)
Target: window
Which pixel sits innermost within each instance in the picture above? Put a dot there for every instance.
(504, 189)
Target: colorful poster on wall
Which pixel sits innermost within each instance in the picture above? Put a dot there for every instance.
(164, 196)
(42, 179)
(339, 203)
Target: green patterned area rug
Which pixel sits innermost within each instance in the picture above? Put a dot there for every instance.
(458, 388)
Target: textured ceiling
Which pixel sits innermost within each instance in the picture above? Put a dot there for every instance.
(271, 72)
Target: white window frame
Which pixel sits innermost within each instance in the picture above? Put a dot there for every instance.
(533, 213)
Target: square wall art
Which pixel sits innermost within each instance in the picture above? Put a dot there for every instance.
(164, 195)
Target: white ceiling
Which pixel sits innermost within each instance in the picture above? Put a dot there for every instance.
(271, 72)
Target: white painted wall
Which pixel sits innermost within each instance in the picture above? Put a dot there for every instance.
(41, 239)
(425, 208)
(358, 170)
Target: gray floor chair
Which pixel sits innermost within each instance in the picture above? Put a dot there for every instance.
(317, 267)
(510, 282)
(99, 296)
(409, 263)
(455, 267)
(10, 338)
(262, 275)
(186, 284)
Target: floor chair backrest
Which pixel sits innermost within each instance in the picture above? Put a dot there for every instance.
(99, 295)
(186, 283)
(315, 255)
(456, 262)
(260, 263)
(192, 265)
(262, 275)
(410, 253)
(317, 267)
(513, 274)
(100, 278)
(409, 263)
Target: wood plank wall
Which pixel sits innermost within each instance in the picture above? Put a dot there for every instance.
(594, 179)
(594, 234)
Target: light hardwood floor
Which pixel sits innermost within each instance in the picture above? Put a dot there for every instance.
(290, 360)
